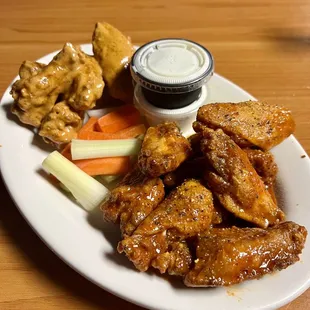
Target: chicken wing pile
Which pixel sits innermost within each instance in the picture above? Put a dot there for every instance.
(54, 97)
(203, 208)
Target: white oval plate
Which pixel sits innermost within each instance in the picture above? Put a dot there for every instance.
(87, 244)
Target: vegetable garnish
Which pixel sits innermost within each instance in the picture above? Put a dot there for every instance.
(85, 149)
(87, 191)
(100, 166)
(127, 133)
(119, 119)
(88, 127)
(104, 166)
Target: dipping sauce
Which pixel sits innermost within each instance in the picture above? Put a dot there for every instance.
(170, 77)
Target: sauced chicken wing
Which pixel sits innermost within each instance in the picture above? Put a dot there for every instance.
(235, 182)
(187, 211)
(61, 124)
(264, 164)
(30, 107)
(163, 149)
(29, 69)
(132, 200)
(228, 256)
(176, 261)
(87, 84)
(249, 123)
(114, 50)
(71, 73)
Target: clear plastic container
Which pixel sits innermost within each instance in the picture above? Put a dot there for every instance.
(184, 116)
(170, 77)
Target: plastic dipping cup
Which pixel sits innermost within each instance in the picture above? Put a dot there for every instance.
(184, 117)
(170, 77)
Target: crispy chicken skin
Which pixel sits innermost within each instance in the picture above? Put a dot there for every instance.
(249, 123)
(228, 256)
(264, 164)
(163, 149)
(61, 124)
(142, 250)
(262, 161)
(133, 200)
(114, 50)
(235, 182)
(185, 212)
(176, 261)
(71, 74)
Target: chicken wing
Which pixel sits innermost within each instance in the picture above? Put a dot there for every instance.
(264, 164)
(177, 261)
(163, 149)
(249, 123)
(114, 50)
(133, 200)
(29, 106)
(62, 124)
(235, 182)
(228, 256)
(71, 73)
(29, 69)
(187, 211)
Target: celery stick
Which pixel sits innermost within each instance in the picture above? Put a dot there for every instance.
(85, 189)
(85, 149)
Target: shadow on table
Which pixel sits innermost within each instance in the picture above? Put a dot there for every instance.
(289, 39)
(43, 259)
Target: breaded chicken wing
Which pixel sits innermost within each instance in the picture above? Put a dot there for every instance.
(133, 200)
(29, 69)
(163, 149)
(187, 211)
(228, 256)
(62, 124)
(264, 164)
(249, 123)
(176, 261)
(29, 104)
(113, 50)
(72, 74)
(235, 182)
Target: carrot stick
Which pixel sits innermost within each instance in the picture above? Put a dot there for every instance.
(104, 166)
(119, 119)
(89, 126)
(130, 132)
(127, 133)
(66, 152)
(97, 166)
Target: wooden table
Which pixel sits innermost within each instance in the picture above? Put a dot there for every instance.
(262, 45)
